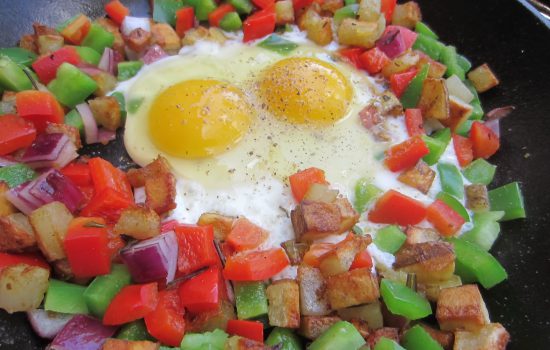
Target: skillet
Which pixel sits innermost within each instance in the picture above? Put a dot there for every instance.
(516, 44)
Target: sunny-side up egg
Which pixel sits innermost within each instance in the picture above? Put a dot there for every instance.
(235, 120)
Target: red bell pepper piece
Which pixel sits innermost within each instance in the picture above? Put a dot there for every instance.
(79, 173)
(302, 181)
(202, 292)
(264, 4)
(444, 218)
(406, 154)
(196, 248)
(300, 4)
(166, 322)
(396, 208)
(374, 60)
(31, 259)
(185, 20)
(255, 265)
(316, 251)
(248, 329)
(131, 303)
(39, 107)
(352, 55)
(485, 142)
(246, 235)
(77, 30)
(362, 260)
(107, 204)
(216, 16)
(414, 122)
(15, 133)
(387, 7)
(463, 150)
(400, 81)
(46, 66)
(117, 11)
(259, 25)
(87, 247)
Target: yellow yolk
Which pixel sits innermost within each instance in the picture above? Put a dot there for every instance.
(305, 90)
(199, 118)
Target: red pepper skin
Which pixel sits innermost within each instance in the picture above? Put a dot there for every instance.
(463, 150)
(353, 56)
(15, 133)
(444, 218)
(166, 322)
(202, 292)
(301, 181)
(39, 107)
(414, 122)
(117, 11)
(396, 208)
(185, 20)
(361, 260)
(31, 259)
(400, 81)
(485, 142)
(259, 25)
(216, 16)
(387, 7)
(406, 154)
(87, 247)
(264, 4)
(248, 329)
(108, 204)
(79, 173)
(196, 248)
(255, 265)
(300, 4)
(46, 66)
(246, 235)
(131, 303)
(374, 60)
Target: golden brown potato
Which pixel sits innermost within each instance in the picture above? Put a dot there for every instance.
(434, 99)
(444, 338)
(417, 234)
(239, 343)
(483, 78)
(210, 320)
(50, 223)
(354, 32)
(156, 168)
(284, 12)
(69, 130)
(432, 290)
(28, 42)
(390, 104)
(352, 288)
(477, 198)
(161, 193)
(339, 259)
(321, 193)
(406, 15)
(331, 6)
(22, 287)
(319, 29)
(105, 83)
(166, 37)
(16, 233)
(6, 208)
(220, 223)
(138, 40)
(370, 313)
(386, 332)
(461, 308)
(459, 111)
(120, 344)
(369, 10)
(431, 261)
(138, 222)
(436, 70)
(106, 112)
(49, 43)
(284, 303)
(491, 337)
(312, 327)
(421, 177)
(401, 63)
(313, 299)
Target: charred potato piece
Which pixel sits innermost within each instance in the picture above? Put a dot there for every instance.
(406, 15)
(431, 261)
(50, 223)
(28, 42)
(319, 29)
(211, 320)
(386, 332)
(220, 223)
(459, 111)
(120, 344)
(284, 12)
(313, 301)
(312, 327)
(461, 308)
(16, 233)
(339, 259)
(491, 337)
(166, 37)
(370, 313)
(106, 112)
(284, 304)
(354, 32)
(69, 130)
(156, 168)
(444, 338)
(421, 235)
(105, 83)
(434, 99)
(6, 208)
(138, 40)
(315, 219)
(421, 177)
(239, 343)
(138, 222)
(161, 193)
(352, 288)
(49, 43)
(483, 78)
(331, 6)
(401, 63)
(22, 287)
(477, 198)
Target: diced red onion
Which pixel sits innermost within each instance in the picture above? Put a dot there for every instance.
(82, 333)
(107, 62)
(50, 151)
(139, 195)
(494, 125)
(104, 136)
(152, 259)
(130, 23)
(153, 54)
(6, 160)
(19, 200)
(500, 112)
(90, 125)
(391, 43)
(89, 69)
(47, 323)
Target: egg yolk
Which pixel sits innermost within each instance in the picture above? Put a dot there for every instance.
(199, 118)
(305, 90)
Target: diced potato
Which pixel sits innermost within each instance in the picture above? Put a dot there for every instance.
(106, 112)
(431, 261)
(28, 42)
(113, 28)
(313, 301)
(221, 224)
(321, 193)
(319, 29)
(22, 287)
(138, 40)
(50, 223)
(210, 320)
(120, 344)
(239, 343)
(401, 63)
(166, 37)
(461, 308)
(193, 35)
(49, 43)
(105, 83)
(42, 29)
(16, 233)
(312, 327)
(434, 99)
(331, 6)
(161, 193)
(6, 208)
(406, 15)
(284, 303)
(284, 12)
(417, 234)
(386, 332)
(361, 326)
(354, 32)
(421, 177)
(483, 78)
(436, 70)
(370, 313)
(444, 338)
(390, 104)
(352, 288)
(369, 10)
(491, 337)
(459, 112)
(156, 168)
(477, 198)
(215, 34)
(348, 215)
(69, 130)
(138, 222)
(433, 290)
(339, 259)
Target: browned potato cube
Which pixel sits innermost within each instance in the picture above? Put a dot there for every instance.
(319, 29)
(284, 304)
(370, 313)
(138, 222)
(156, 168)
(386, 332)
(491, 337)
(105, 83)
(193, 35)
(106, 112)
(120, 344)
(436, 70)
(432, 290)
(239, 343)
(166, 37)
(284, 12)
(431, 261)
(313, 301)
(461, 308)
(221, 224)
(421, 177)
(16, 233)
(348, 215)
(210, 320)
(321, 193)
(352, 288)
(445, 339)
(459, 111)
(161, 193)
(69, 130)
(49, 43)
(369, 10)
(311, 220)
(331, 6)
(6, 208)
(28, 42)
(421, 235)
(339, 259)
(406, 15)
(312, 327)
(354, 32)
(50, 223)
(434, 99)
(215, 34)
(113, 28)
(401, 63)
(361, 326)
(138, 40)
(22, 287)
(477, 198)
(483, 78)
(41, 29)
(390, 104)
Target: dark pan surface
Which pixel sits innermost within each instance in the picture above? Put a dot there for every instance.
(517, 46)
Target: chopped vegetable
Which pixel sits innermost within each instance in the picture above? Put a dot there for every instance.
(259, 25)
(127, 70)
(39, 107)
(117, 11)
(396, 208)
(231, 22)
(406, 154)
(65, 297)
(365, 193)
(302, 181)
(444, 218)
(276, 43)
(341, 335)
(71, 86)
(411, 95)
(508, 198)
(82, 332)
(47, 324)
(102, 290)
(390, 239)
(255, 265)
(401, 80)
(485, 142)
(98, 38)
(18, 55)
(131, 303)
(166, 322)
(285, 337)
(12, 77)
(15, 133)
(196, 248)
(214, 340)
(22, 287)
(480, 172)
(251, 300)
(387, 344)
(455, 204)
(451, 179)
(403, 301)
(249, 329)
(202, 292)
(185, 20)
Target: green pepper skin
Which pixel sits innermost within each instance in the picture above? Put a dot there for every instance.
(12, 77)
(231, 22)
(251, 300)
(71, 86)
(486, 229)
(14, 175)
(365, 192)
(412, 93)
(286, 337)
(451, 180)
(429, 46)
(348, 11)
(98, 38)
(128, 69)
(454, 204)
(480, 172)
(103, 289)
(164, 11)
(67, 298)
(509, 199)
(403, 301)
(214, 340)
(134, 331)
(88, 55)
(422, 28)
(341, 335)
(278, 44)
(390, 239)
(19, 55)
(417, 338)
(387, 344)
(436, 147)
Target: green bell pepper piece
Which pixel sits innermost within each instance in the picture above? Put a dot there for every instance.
(443, 135)
(411, 95)
(486, 229)
(509, 199)
(214, 340)
(250, 299)
(387, 344)
(121, 103)
(390, 239)
(278, 44)
(244, 7)
(164, 11)
(480, 172)
(451, 180)
(71, 86)
(417, 338)
(341, 335)
(88, 55)
(231, 22)
(284, 336)
(473, 264)
(349, 2)
(365, 193)
(65, 297)
(135, 330)
(19, 55)
(464, 128)
(436, 147)
(403, 301)
(128, 69)
(348, 11)
(14, 175)
(203, 8)
(103, 289)
(454, 204)
(12, 77)
(477, 111)
(449, 58)
(429, 46)
(73, 118)
(65, 23)
(464, 63)
(98, 38)
(422, 28)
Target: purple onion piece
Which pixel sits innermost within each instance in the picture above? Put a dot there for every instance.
(90, 124)
(47, 323)
(64, 190)
(82, 333)
(392, 43)
(7, 161)
(500, 112)
(107, 61)
(16, 198)
(105, 136)
(153, 54)
(46, 147)
(494, 125)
